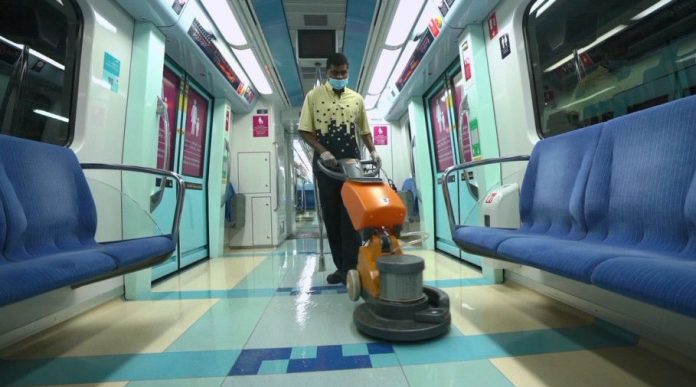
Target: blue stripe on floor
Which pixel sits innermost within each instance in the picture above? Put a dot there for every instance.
(198, 364)
(459, 282)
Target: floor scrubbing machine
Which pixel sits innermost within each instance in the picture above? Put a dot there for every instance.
(397, 307)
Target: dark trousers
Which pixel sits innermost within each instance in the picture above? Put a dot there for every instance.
(344, 241)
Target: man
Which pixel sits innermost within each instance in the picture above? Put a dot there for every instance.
(332, 116)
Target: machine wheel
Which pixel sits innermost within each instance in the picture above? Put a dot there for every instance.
(353, 285)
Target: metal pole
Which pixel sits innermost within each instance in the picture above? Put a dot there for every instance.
(321, 266)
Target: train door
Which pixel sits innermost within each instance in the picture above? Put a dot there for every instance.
(183, 148)
(438, 103)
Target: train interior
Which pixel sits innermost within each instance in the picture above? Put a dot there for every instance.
(204, 261)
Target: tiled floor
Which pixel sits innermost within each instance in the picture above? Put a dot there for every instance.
(268, 318)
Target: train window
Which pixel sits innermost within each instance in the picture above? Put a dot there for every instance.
(594, 60)
(39, 48)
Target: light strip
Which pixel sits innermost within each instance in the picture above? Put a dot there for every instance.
(46, 59)
(651, 9)
(403, 20)
(11, 43)
(51, 115)
(535, 6)
(383, 70)
(589, 97)
(545, 7)
(597, 41)
(226, 21)
(253, 69)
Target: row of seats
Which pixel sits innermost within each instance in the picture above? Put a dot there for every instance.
(613, 205)
(48, 221)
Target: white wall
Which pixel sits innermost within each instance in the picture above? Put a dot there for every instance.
(511, 87)
(242, 141)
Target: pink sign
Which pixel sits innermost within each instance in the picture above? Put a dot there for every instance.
(170, 85)
(380, 134)
(461, 109)
(440, 125)
(260, 125)
(194, 141)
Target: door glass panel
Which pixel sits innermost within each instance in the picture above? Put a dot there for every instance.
(440, 125)
(39, 47)
(194, 140)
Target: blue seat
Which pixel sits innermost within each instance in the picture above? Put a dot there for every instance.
(48, 221)
(613, 198)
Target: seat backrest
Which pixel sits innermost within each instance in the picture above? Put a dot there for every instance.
(552, 195)
(48, 205)
(641, 190)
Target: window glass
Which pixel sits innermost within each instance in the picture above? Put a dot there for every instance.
(594, 60)
(39, 44)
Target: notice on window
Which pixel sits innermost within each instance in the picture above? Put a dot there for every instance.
(170, 86)
(260, 125)
(112, 71)
(441, 131)
(380, 134)
(194, 141)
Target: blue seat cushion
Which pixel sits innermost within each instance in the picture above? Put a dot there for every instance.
(27, 278)
(134, 251)
(484, 240)
(574, 259)
(668, 283)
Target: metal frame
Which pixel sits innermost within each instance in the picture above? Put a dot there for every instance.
(180, 186)
(464, 166)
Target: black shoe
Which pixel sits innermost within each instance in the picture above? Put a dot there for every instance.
(336, 277)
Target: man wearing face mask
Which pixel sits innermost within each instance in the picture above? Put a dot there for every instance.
(332, 116)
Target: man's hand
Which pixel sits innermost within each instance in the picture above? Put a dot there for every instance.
(375, 157)
(328, 159)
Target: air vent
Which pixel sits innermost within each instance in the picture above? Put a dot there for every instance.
(308, 72)
(316, 20)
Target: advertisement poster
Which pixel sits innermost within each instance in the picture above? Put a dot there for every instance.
(461, 109)
(194, 141)
(380, 135)
(170, 86)
(440, 125)
(415, 59)
(260, 125)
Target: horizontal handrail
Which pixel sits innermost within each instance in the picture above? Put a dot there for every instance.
(464, 166)
(180, 186)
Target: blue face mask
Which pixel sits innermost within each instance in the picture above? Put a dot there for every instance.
(338, 84)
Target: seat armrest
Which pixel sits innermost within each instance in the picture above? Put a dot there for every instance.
(464, 166)
(180, 186)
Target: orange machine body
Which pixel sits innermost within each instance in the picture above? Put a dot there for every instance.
(372, 205)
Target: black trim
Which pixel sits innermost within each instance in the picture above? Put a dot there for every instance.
(530, 71)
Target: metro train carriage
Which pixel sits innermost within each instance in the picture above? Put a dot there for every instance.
(515, 203)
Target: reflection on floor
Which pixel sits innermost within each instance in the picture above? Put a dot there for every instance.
(268, 318)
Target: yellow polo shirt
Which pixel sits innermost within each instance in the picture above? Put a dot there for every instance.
(335, 120)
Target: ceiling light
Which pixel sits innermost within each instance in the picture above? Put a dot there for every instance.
(402, 23)
(51, 115)
(597, 41)
(536, 6)
(254, 70)
(225, 21)
(651, 9)
(383, 70)
(546, 6)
